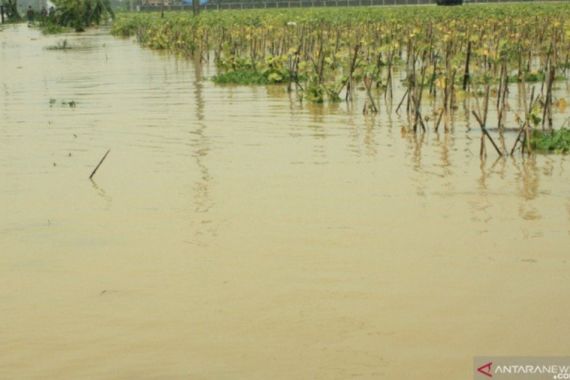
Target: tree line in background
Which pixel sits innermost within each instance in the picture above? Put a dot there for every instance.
(76, 14)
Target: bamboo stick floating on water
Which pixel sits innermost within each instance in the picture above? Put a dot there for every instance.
(99, 164)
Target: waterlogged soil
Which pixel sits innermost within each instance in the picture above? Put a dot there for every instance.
(233, 233)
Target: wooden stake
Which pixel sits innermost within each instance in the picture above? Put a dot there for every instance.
(99, 164)
(484, 130)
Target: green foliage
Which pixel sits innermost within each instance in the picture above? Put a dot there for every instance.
(52, 28)
(240, 77)
(315, 93)
(249, 77)
(551, 141)
(76, 14)
(11, 9)
(529, 77)
(243, 71)
(323, 50)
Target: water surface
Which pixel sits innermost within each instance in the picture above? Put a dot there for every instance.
(233, 233)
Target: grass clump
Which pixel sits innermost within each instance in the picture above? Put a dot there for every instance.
(242, 77)
(551, 141)
(250, 77)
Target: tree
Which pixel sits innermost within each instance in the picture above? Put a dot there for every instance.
(81, 14)
(11, 8)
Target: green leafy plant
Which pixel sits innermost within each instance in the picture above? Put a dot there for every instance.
(551, 141)
(324, 53)
(77, 14)
(240, 77)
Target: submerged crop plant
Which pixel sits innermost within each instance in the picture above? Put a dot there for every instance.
(439, 58)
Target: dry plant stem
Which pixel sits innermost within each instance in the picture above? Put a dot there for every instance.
(527, 123)
(524, 129)
(369, 104)
(439, 119)
(351, 72)
(466, 74)
(547, 111)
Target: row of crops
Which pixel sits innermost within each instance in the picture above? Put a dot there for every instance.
(253, 4)
(437, 57)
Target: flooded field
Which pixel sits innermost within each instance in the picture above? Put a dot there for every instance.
(233, 233)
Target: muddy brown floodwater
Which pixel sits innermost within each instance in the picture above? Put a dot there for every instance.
(234, 234)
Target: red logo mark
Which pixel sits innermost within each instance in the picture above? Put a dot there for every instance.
(485, 369)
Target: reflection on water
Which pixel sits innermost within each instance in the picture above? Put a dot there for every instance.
(101, 192)
(200, 150)
(236, 233)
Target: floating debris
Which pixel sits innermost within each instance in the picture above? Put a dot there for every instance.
(71, 103)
